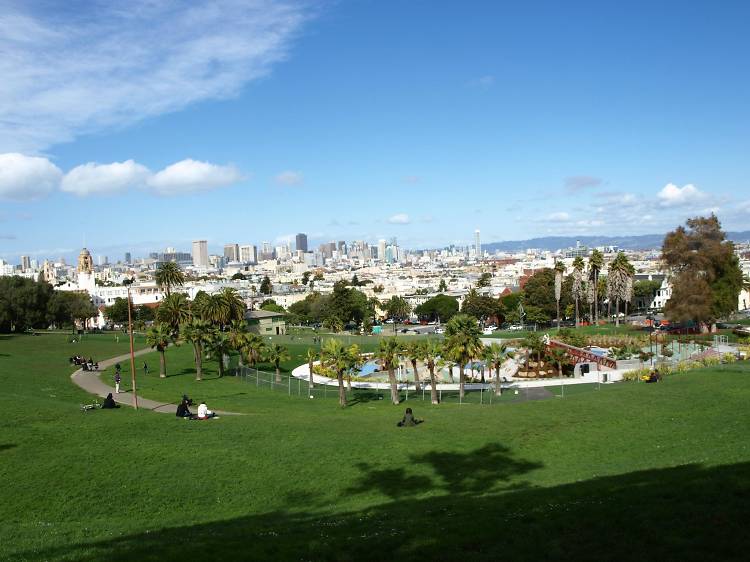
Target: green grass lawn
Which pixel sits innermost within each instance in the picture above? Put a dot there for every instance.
(628, 472)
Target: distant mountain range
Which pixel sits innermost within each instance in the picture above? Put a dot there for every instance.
(644, 242)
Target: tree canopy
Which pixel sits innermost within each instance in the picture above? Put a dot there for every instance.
(440, 307)
(705, 273)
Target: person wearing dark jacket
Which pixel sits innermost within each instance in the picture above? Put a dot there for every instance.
(182, 410)
(409, 419)
(109, 402)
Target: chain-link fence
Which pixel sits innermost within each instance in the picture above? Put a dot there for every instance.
(295, 387)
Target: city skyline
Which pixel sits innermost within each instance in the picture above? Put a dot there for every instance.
(491, 131)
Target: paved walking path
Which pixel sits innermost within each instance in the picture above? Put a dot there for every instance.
(90, 382)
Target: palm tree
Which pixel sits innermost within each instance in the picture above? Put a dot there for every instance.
(234, 305)
(174, 310)
(335, 356)
(196, 331)
(596, 262)
(558, 357)
(559, 271)
(431, 354)
(237, 336)
(533, 343)
(253, 348)
(619, 288)
(462, 338)
(220, 345)
(354, 360)
(577, 289)
(496, 355)
(312, 356)
(414, 352)
(159, 337)
(169, 275)
(388, 355)
(213, 308)
(276, 354)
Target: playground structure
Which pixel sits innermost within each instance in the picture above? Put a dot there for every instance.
(581, 355)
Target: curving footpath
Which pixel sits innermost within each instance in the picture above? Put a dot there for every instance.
(91, 383)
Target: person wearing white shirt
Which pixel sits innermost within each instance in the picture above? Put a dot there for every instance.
(204, 412)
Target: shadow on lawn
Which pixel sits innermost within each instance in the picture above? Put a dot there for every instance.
(689, 512)
(482, 470)
(6, 446)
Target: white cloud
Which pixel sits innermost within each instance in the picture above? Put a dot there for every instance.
(399, 218)
(673, 196)
(23, 178)
(289, 177)
(579, 183)
(191, 175)
(485, 81)
(94, 179)
(560, 216)
(64, 75)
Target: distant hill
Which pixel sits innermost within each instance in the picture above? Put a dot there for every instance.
(644, 242)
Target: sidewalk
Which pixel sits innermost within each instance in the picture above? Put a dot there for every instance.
(91, 383)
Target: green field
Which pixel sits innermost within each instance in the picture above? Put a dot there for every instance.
(628, 472)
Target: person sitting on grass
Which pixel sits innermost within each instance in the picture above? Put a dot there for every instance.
(204, 413)
(183, 411)
(409, 419)
(109, 402)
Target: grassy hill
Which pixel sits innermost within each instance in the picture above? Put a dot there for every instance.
(632, 471)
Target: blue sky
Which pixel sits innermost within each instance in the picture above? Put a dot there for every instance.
(244, 121)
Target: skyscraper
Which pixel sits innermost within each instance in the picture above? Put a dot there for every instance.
(128, 257)
(477, 244)
(381, 249)
(301, 242)
(200, 253)
(248, 254)
(25, 263)
(232, 252)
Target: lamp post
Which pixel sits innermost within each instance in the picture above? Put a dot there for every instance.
(127, 283)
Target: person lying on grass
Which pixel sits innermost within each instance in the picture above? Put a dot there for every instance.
(409, 419)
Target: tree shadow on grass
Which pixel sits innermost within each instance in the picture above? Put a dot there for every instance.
(683, 513)
(363, 397)
(6, 446)
(481, 470)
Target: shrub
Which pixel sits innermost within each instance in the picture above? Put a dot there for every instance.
(710, 361)
(728, 358)
(635, 374)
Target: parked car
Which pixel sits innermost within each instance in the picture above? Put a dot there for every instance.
(742, 331)
(515, 328)
(439, 330)
(389, 321)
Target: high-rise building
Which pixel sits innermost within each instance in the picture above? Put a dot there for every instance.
(267, 252)
(128, 258)
(231, 252)
(200, 253)
(301, 242)
(381, 249)
(342, 248)
(477, 244)
(25, 263)
(248, 254)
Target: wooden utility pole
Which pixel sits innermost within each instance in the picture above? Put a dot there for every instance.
(132, 353)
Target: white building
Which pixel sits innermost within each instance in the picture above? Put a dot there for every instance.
(200, 253)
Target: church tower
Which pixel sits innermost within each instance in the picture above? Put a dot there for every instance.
(85, 262)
